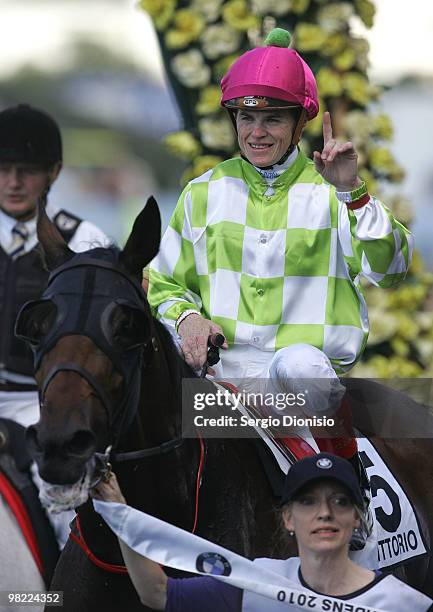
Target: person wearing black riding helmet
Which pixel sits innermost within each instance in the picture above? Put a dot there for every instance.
(31, 159)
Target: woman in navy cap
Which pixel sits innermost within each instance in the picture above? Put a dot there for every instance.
(322, 505)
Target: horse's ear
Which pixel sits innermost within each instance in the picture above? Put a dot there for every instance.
(144, 239)
(55, 251)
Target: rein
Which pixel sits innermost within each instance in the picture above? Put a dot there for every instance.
(166, 447)
(161, 449)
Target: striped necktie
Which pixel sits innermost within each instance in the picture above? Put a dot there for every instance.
(20, 234)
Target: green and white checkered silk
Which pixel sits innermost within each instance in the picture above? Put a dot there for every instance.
(280, 269)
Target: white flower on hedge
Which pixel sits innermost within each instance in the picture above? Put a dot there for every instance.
(273, 7)
(361, 48)
(190, 68)
(210, 9)
(217, 134)
(219, 40)
(359, 125)
(334, 17)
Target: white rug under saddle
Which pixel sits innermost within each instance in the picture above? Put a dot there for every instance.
(397, 535)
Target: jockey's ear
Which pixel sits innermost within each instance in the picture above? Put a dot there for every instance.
(144, 239)
(55, 250)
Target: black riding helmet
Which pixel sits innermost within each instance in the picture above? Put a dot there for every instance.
(29, 135)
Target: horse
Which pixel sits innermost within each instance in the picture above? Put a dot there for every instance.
(24, 527)
(110, 375)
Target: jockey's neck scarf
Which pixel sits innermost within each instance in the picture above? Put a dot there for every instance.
(173, 547)
(270, 173)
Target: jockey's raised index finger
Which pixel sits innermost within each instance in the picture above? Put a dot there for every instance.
(327, 127)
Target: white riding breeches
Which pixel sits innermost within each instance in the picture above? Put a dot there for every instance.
(298, 368)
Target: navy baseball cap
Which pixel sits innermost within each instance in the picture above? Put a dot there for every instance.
(322, 465)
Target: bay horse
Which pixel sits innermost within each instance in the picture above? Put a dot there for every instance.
(109, 374)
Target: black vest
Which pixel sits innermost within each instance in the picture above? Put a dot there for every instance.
(23, 279)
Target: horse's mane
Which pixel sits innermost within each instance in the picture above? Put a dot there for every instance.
(178, 367)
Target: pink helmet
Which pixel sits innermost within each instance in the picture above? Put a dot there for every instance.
(272, 76)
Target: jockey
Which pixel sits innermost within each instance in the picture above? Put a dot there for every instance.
(268, 248)
(30, 162)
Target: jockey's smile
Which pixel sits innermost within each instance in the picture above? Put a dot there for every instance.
(264, 136)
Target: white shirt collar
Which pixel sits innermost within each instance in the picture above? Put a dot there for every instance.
(7, 223)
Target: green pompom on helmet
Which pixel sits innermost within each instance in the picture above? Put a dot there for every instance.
(278, 38)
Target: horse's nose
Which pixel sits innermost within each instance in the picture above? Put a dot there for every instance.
(82, 444)
(61, 459)
(79, 444)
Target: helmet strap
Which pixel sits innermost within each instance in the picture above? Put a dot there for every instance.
(232, 115)
(302, 120)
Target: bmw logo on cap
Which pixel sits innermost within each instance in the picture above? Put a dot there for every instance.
(214, 564)
(324, 463)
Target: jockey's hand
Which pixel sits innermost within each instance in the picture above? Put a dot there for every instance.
(108, 490)
(338, 162)
(194, 332)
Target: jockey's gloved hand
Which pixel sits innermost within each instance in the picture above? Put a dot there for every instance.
(194, 331)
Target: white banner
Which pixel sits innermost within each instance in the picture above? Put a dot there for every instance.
(173, 547)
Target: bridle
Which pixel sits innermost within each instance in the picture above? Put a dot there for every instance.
(78, 312)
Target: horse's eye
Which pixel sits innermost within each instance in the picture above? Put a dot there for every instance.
(129, 327)
(35, 321)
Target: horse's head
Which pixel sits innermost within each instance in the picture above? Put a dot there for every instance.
(91, 335)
